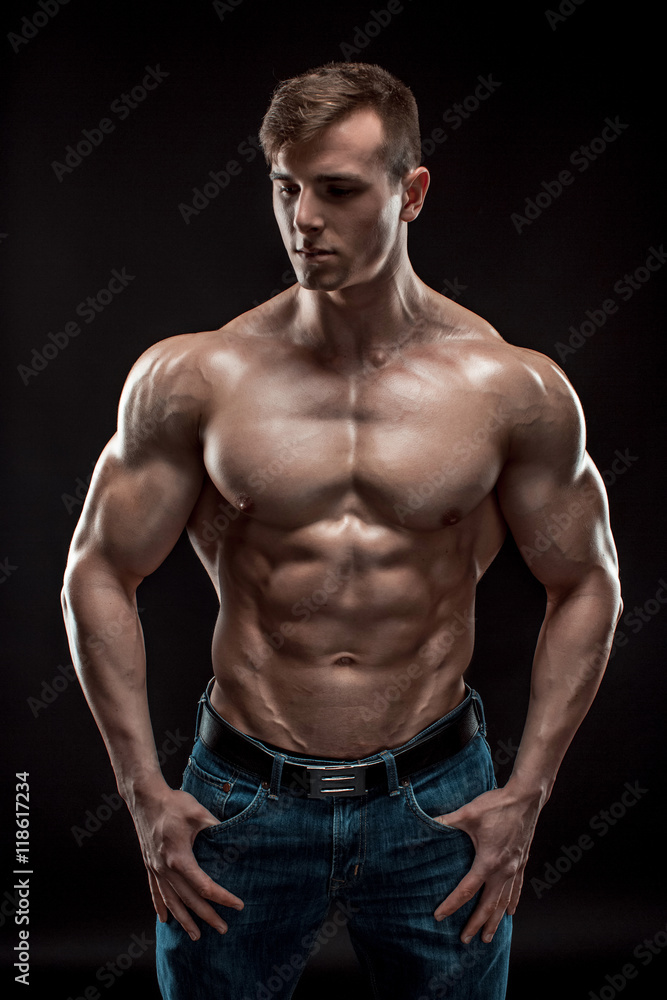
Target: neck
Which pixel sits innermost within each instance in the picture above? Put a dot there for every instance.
(349, 323)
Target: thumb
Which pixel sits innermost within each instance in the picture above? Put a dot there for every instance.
(451, 819)
(207, 819)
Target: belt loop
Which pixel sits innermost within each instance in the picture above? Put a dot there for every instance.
(200, 708)
(392, 773)
(479, 712)
(276, 775)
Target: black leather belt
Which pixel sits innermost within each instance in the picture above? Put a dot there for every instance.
(344, 778)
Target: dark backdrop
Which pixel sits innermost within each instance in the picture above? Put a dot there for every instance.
(552, 81)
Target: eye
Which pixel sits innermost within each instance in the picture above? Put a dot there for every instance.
(287, 190)
(340, 192)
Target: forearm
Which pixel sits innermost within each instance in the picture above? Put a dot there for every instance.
(570, 659)
(107, 646)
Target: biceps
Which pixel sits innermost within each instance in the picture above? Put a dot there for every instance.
(561, 528)
(134, 514)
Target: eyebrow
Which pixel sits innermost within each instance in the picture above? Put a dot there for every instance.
(320, 178)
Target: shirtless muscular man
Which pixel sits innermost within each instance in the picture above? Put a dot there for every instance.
(340, 754)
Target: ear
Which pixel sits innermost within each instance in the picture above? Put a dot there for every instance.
(415, 185)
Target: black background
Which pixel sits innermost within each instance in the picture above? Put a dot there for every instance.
(119, 208)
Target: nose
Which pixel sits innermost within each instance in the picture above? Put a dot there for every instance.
(308, 217)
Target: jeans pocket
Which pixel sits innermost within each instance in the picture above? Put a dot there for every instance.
(446, 787)
(231, 795)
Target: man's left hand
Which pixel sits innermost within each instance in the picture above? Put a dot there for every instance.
(501, 826)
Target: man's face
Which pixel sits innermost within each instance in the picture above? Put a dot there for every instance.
(336, 206)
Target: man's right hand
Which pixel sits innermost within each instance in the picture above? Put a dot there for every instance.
(167, 824)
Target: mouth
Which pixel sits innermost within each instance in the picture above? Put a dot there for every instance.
(314, 253)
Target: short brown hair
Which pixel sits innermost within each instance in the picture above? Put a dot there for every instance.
(302, 106)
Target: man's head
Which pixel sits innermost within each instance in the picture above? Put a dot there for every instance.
(306, 104)
(343, 145)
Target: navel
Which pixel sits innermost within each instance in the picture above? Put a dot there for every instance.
(344, 661)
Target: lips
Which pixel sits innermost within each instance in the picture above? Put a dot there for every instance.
(314, 252)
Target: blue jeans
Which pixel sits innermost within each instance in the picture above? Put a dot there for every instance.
(381, 858)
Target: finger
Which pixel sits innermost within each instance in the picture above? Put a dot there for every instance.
(488, 912)
(469, 885)
(179, 911)
(516, 893)
(203, 884)
(182, 899)
(492, 925)
(158, 902)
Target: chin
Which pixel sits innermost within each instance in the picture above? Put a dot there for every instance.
(320, 283)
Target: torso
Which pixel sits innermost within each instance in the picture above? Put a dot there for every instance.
(347, 514)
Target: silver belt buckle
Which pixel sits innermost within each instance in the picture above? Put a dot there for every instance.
(336, 779)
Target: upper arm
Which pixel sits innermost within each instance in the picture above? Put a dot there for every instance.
(149, 476)
(550, 492)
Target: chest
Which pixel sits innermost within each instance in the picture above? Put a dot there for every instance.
(403, 447)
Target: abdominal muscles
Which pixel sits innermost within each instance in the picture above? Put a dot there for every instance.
(342, 637)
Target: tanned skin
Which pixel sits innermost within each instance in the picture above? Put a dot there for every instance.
(361, 437)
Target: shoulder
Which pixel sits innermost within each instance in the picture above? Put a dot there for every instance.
(185, 372)
(165, 394)
(528, 382)
(545, 417)
(182, 366)
(539, 406)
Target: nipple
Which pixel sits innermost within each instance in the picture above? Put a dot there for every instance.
(244, 502)
(378, 358)
(450, 517)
